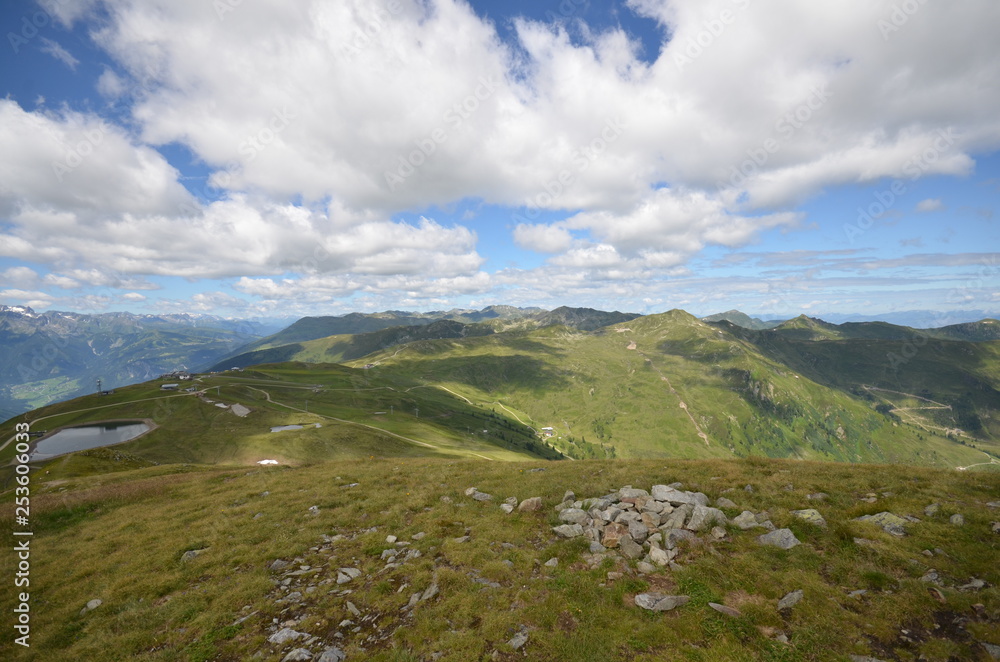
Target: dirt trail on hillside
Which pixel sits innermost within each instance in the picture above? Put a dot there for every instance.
(681, 403)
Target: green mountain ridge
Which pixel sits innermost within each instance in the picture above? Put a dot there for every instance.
(391, 529)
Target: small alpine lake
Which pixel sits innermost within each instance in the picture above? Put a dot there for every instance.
(84, 437)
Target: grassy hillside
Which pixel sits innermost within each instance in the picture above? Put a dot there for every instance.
(358, 416)
(672, 386)
(346, 347)
(122, 539)
(941, 385)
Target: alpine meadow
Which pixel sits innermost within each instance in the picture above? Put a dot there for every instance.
(489, 331)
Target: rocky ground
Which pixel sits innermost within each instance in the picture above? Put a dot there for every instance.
(630, 532)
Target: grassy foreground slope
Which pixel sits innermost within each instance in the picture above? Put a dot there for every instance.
(671, 385)
(120, 539)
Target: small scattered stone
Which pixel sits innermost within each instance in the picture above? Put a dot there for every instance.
(345, 575)
(723, 502)
(519, 639)
(790, 600)
(957, 520)
(745, 520)
(810, 515)
(91, 605)
(430, 592)
(332, 655)
(890, 523)
(192, 554)
(507, 508)
(645, 568)
(462, 539)
(659, 601)
(718, 532)
(974, 585)
(932, 509)
(285, 635)
(552, 563)
(597, 548)
(723, 609)
(530, 505)
(931, 577)
(992, 650)
(418, 536)
(482, 496)
(314, 510)
(298, 655)
(818, 496)
(780, 538)
(391, 539)
(278, 565)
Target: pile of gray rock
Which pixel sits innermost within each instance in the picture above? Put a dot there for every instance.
(648, 526)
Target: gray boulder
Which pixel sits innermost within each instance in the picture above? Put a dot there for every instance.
(746, 520)
(630, 548)
(790, 600)
(678, 518)
(284, 635)
(810, 515)
(332, 655)
(573, 516)
(530, 505)
(659, 601)
(638, 531)
(568, 530)
(892, 524)
(703, 517)
(673, 536)
(780, 538)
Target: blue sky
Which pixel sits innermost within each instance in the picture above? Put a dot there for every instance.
(277, 159)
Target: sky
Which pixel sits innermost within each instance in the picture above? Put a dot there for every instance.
(280, 158)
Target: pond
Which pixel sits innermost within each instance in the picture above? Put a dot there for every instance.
(87, 436)
(282, 428)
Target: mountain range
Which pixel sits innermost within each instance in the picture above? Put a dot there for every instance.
(55, 355)
(606, 384)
